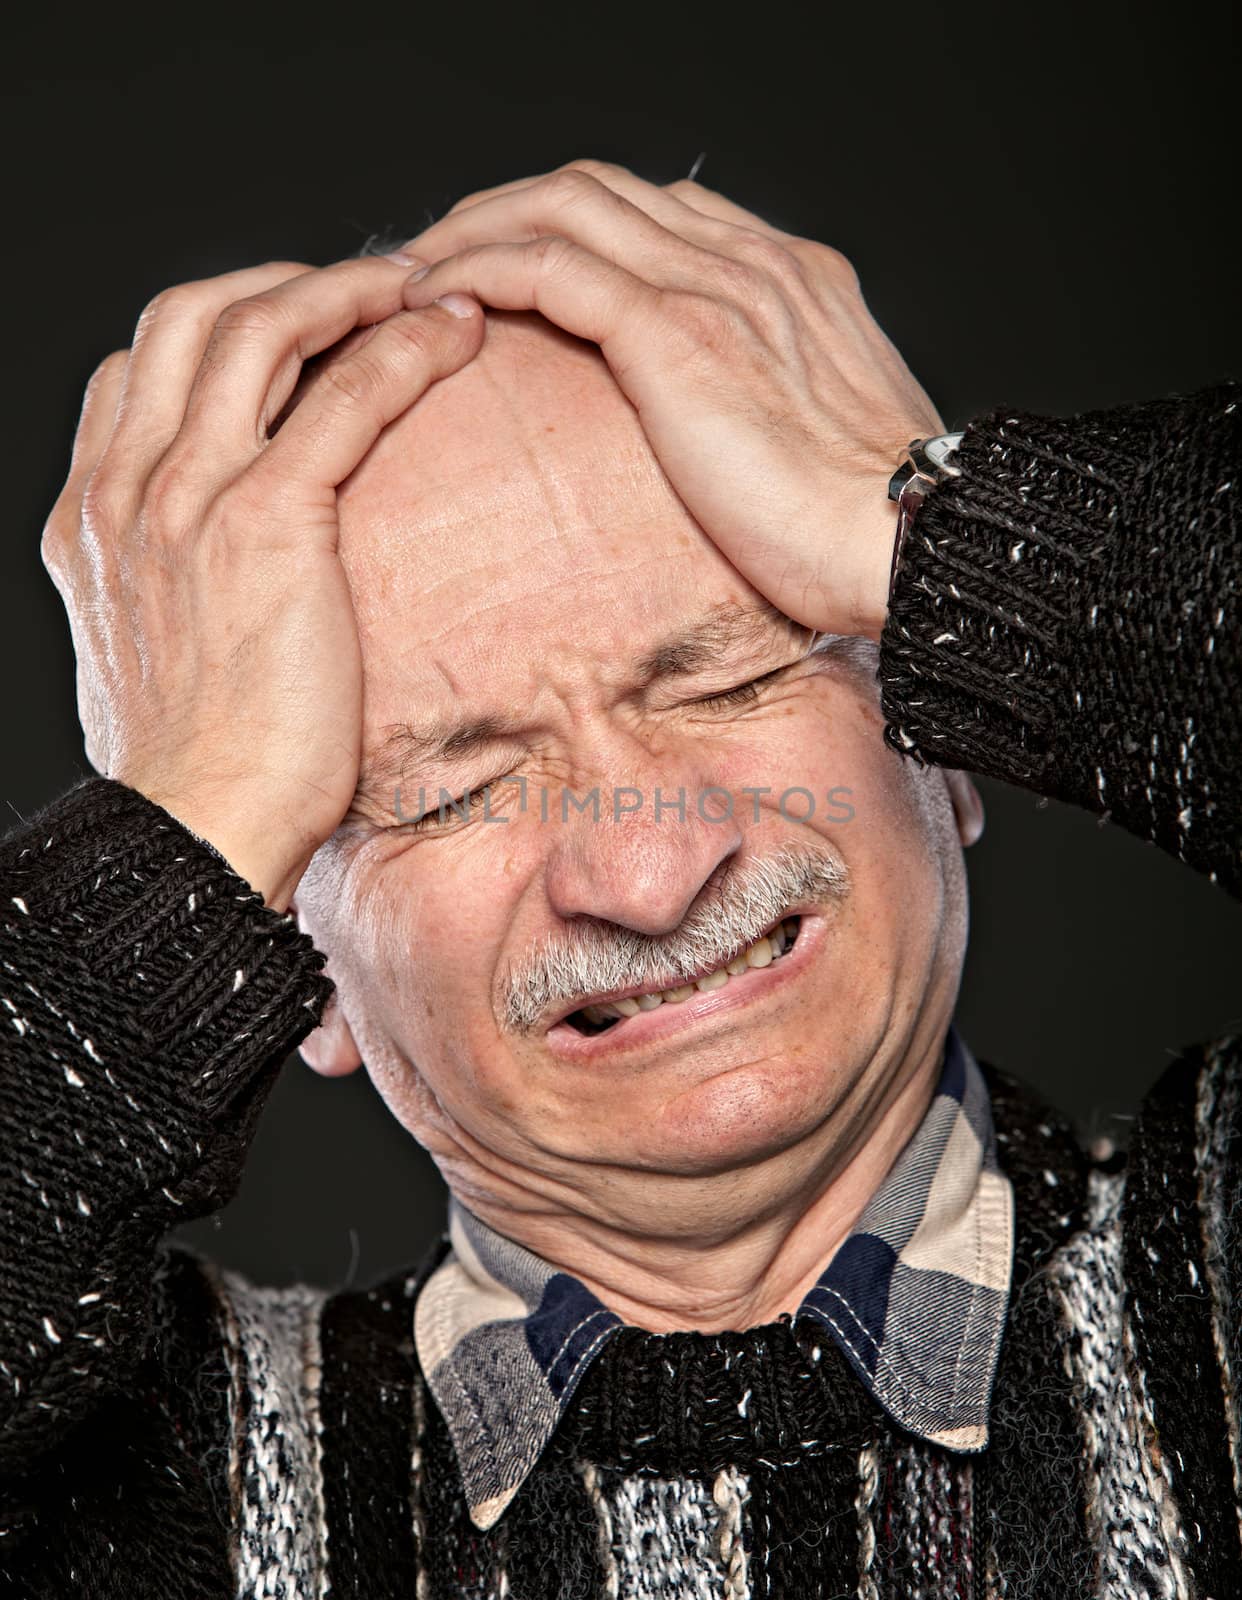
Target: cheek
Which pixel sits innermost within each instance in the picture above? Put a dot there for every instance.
(380, 915)
(912, 894)
(897, 841)
(863, 799)
(897, 851)
(424, 944)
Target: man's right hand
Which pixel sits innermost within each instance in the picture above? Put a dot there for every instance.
(218, 663)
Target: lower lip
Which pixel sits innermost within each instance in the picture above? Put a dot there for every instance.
(750, 988)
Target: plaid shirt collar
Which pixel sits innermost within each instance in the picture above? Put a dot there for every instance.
(915, 1297)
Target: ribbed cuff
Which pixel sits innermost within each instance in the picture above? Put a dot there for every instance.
(994, 570)
(178, 960)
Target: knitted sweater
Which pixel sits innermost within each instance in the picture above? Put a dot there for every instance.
(1065, 617)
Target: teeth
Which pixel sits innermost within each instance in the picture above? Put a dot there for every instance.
(760, 954)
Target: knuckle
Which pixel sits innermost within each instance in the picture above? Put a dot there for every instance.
(102, 495)
(601, 171)
(552, 253)
(837, 266)
(703, 316)
(403, 342)
(770, 254)
(570, 186)
(54, 542)
(355, 381)
(173, 304)
(112, 366)
(168, 499)
(255, 317)
(737, 277)
(414, 335)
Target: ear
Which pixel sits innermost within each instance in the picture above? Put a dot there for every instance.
(330, 1049)
(967, 806)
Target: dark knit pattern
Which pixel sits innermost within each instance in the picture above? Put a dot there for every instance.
(117, 933)
(1065, 617)
(1166, 1261)
(1027, 1506)
(694, 1402)
(369, 1336)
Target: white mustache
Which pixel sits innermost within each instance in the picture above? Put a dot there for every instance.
(603, 958)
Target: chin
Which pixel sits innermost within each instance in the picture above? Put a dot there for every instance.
(745, 1114)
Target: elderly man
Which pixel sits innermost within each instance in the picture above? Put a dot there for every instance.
(567, 672)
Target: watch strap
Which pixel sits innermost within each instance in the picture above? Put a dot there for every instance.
(927, 463)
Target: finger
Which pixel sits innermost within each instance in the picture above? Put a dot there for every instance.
(576, 206)
(258, 345)
(682, 205)
(468, 221)
(169, 341)
(570, 203)
(606, 171)
(354, 400)
(708, 203)
(469, 200)
(575, 289)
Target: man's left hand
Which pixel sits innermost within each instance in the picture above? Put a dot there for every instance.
(774, 403)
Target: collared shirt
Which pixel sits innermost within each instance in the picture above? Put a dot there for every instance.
(915, 1296)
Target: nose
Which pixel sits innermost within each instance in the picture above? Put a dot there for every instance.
(643, 860)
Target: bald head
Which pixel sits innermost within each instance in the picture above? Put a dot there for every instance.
(529, 452)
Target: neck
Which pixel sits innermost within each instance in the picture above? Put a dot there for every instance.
(751, 1244)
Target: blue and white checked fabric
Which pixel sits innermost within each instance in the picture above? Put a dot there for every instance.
(915, 1296)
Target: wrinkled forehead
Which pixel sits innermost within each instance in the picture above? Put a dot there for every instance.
(518, 507)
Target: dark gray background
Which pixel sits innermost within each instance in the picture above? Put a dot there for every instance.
(1039, 202)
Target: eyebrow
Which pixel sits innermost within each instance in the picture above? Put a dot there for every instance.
(725, 630)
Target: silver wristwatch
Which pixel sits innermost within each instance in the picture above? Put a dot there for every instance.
(927, 463)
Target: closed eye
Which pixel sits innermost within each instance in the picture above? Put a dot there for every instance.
(743, 694)
(443, 812)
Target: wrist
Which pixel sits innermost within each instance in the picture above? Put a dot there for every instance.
(928, 462)
(874, 533)
(275, 878)
(272, 865)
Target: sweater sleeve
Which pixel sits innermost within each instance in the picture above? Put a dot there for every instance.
(147, 998)
(1065, 616)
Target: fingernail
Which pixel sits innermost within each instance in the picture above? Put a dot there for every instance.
(421, 273)
(457, 305)
(404, 257)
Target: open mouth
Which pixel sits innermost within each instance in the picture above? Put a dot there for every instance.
(768, 949)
